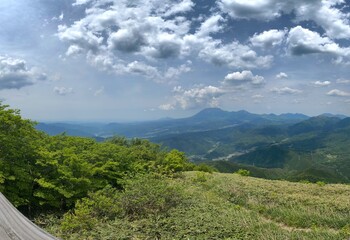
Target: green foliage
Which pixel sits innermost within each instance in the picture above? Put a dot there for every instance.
(41, 172)
(243, 172)
(98, 207)
(202, 167)
(200, 177)
(144, 196)
(19, 143)
(320, 183)
(225, 206)
(174, 161)
(149, 195)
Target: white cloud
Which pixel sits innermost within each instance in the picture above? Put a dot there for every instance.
(286, 91)
(197, 97)
(257, 96)
(322, 84)
(338, 93)
(173, 73)
(234, 55)
(268, 39)
(182, 7)
(166, 107)
(282, 75)
(15, 74)
(99, 91)
(257, 9)
(118, 37)
(237, 78)
(343, 81)
(304, 41)
(60, 17)
(63, 91)
(324, 13)
(210, 25)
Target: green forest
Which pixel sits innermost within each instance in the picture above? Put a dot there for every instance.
(78, 188)
(40, 172)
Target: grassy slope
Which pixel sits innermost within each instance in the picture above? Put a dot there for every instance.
(230, 206)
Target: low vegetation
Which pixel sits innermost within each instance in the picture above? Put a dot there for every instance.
(198, 205)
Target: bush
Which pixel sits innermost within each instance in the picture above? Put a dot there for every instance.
(243, 172)
(149, 195)
(320, 183)
(204, 168)
(200, 177)
(143, 196)
(97, 207)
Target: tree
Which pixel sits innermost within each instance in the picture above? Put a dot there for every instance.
(19, 143)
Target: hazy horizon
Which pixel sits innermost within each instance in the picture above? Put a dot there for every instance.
(106, 121)
(118, 60)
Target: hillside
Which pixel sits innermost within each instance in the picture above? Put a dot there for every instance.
(287, 146)
(315, 149)
(213, 206)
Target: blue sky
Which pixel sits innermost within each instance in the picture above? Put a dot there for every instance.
(121, 60)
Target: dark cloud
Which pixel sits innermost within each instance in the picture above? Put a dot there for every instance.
(14, 73)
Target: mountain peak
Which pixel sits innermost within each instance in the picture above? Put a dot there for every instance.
(207, 112)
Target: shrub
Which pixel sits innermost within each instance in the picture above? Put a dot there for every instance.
(98, 206)
(320, 183)
(142, 196)
(200, 177)
(149, 195)
(243, 172)
(202, 167)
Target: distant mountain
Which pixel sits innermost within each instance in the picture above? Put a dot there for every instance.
(290, 145)
(319, 123)
(70, 129)
(334, 115)
(314, 149)
(206, 120)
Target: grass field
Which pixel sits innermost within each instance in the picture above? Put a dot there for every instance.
(230, 206)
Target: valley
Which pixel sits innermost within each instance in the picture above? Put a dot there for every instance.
(287, 146)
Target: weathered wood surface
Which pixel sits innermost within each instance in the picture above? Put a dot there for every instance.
(15, 226)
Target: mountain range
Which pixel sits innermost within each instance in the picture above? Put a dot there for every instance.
(207, 119)
(287, 146)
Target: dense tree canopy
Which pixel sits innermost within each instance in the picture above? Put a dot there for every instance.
(38, 171)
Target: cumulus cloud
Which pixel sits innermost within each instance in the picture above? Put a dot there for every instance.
(286, 91)
(304, 41)
(210, 25)
(167, 107)
(322, 84)
(15, 74)
(63, 91)
(324, 13)
(238, 78)
(148, 28)
(173, 73)
(282, 75)
(234, 55)
(268, 39)
(197, 97)
(120, 37)
(338, 93)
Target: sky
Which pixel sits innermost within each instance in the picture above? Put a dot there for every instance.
(134, 60)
